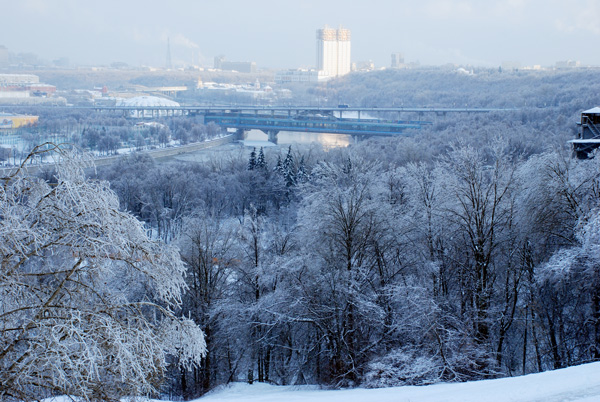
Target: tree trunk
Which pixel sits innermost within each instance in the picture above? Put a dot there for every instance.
(557, 361)
(525, 342)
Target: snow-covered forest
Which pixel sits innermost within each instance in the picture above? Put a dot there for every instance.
(341, 268)
(467, 250)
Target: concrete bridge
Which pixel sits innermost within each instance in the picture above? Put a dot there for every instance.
(273, 119)
(312, 123)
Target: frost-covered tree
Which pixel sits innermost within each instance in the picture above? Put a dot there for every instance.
(279, 166)
(168, 200)
(560, 198)
(252, 159)
(571, 282)
(289, 169)
(478, 185)
(253, 287)
(206, 248)
(302, 175)
(348, 249)
(87, 299)
(261, 162)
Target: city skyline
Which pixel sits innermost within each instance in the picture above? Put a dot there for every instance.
(278, 34)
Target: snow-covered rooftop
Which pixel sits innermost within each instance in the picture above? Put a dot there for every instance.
(595, 110)
(585, 141)
(147, 101)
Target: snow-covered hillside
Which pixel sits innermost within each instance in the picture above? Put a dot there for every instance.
(581, 383)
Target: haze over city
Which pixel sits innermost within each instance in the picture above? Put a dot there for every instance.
(281, 34)
(307, 200)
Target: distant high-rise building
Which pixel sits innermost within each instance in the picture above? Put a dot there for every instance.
(219, 62)
(3, 56)
(397, 60)
(333, 51)
(568, 64)
(168, 63)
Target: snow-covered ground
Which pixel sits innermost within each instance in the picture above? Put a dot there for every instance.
(580, 383)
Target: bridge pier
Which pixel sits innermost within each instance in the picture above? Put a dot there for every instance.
(272, 134)
(241, 134)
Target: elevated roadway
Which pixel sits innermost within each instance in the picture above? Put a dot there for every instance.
(355, 121)
(298, 109)
(341, 119)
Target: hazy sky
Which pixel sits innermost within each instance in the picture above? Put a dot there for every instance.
(281, 33)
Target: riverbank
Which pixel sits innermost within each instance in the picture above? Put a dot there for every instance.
(167, 153)
(159, 154)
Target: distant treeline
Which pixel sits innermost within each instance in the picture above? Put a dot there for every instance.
(118, 79)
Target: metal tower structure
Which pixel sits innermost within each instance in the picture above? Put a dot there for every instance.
(169, 64)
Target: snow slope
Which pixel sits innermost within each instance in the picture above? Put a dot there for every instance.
(580, 383)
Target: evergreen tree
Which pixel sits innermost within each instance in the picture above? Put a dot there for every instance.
(252, 161)
(261, 163)
(289, 159)
(279, 166)
(289, 172)
(302, 175)
(347, 166)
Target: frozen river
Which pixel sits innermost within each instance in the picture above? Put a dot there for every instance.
(257, 139)
(290, 138)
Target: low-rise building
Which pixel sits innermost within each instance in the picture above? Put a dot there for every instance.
(10, 121)
(23, 86)
(18, 79)
(300, 75)
(240, 66)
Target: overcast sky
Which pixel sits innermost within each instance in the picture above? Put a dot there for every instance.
(281, 33)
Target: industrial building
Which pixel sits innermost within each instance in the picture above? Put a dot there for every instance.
(240, 66)
(23, 86)
(9, 121)
(333, 51)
